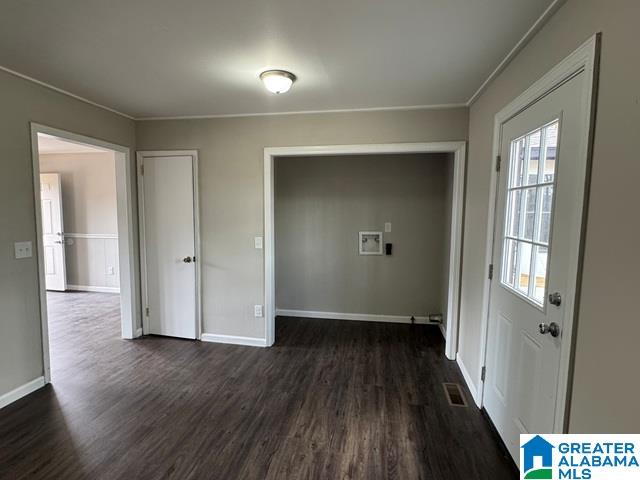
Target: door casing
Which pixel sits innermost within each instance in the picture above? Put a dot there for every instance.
(140, 156)
(129, 300)
(584, 59)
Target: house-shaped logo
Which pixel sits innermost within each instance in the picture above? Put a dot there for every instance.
(537, 447)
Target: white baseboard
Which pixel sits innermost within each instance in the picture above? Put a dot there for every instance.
(233, 340)
(89, 288)
(443, 330)
(362, 317)
(21, 391)
(470, 383)
(138, 332)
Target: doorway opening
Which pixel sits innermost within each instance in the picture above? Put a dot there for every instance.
(373, 231)
(84, 242)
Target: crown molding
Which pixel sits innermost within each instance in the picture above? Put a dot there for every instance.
(526, 38)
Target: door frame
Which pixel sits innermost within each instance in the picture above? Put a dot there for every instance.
(129, 309)
(140, 156)
(584, 59)
(458, 149)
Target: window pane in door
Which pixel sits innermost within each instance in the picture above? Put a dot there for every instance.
(540, 285)
(529, 211)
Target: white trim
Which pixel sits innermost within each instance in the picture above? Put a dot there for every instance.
(91, 288)
(140, 156)
(128, 297)
(97, 236)
(442, 106)
(443, 330)
(234, 340)
(21, 391)
(584, 59)
(526, 38)
(470, 383)
(64, 92)
(360, 317)
(455, 258)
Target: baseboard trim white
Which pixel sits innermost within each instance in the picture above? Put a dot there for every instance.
(443, 330)
(470, 383)
(21, 391)
(89, 288)
(234, 340)
(138, 332)
(361, 317)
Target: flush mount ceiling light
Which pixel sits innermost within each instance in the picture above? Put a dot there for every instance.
(277, 81)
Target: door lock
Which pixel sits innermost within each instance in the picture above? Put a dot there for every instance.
(553, 328)
(188, 259)
(555, 299)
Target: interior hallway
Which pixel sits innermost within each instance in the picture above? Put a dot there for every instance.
(332, 399)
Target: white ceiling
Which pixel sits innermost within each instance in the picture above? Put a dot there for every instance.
(158, 58)
(48, 144)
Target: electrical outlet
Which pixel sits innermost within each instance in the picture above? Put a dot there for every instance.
(110, 271)
(23, 249)
(257, 311)
(258, 242)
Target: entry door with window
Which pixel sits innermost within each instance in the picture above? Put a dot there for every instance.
(538, 222)
(55, 273)
(168, 215)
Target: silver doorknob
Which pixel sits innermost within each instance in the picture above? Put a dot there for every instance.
(187, 260)
(553, 328)
(555, 299)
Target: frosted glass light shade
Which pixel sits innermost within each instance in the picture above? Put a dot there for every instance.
(277, 81)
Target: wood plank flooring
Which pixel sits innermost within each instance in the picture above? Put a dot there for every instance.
(331, 400)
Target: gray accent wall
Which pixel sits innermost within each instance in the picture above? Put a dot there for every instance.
(90, 211)
(321, 203)
(231, 168)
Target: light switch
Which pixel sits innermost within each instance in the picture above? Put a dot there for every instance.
(258, 242)
(387, 227)
(257, 310)
(110, 271)
(23, 249)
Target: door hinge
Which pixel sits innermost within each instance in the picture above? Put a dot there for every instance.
(491, 272)
(483, 373)
(146, 311)
(498, 163)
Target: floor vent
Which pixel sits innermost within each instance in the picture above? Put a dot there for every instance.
(454, 395)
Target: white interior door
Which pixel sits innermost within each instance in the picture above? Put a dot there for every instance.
(537, 228)
(55, 273)
(169, 245)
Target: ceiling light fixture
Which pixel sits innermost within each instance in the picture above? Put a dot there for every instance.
(277, 81)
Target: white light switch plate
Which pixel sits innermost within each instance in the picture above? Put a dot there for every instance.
(257, 310)
(387, 227)
(258, 242)
(23, 249)
(110, 271)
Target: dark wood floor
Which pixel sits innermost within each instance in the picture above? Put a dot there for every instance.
(332, 400)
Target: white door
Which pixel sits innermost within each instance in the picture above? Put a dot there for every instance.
(538, 223)
(169, 245)
(53, 232)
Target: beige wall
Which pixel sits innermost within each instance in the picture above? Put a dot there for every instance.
(605, 388)
(23, 102)
(321, 203)
(231, 188)
(90, 207)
